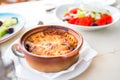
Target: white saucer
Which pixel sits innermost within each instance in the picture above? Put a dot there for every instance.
(25, 72)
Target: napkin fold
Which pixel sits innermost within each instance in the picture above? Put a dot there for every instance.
(24, 71)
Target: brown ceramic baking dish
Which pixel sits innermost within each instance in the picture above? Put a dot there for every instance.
(49, 63)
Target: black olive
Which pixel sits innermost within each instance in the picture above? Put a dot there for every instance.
(65, 19)
(10, 30)
(94, 24)
(1, 23)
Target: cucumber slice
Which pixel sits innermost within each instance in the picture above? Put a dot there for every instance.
(10, 22)
(80, 14)
(93, 14)
(14, 20)
(3, 31)
(97, 15)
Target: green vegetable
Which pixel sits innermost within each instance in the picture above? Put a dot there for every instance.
(93, 14)
(6, 24)
(10, 22)
(98, 15)
(80, 13)
(3, 31)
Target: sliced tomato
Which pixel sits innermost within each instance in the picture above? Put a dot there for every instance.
(105, 19)
(74, 11)
(72, 20)
(84, 21)
(89, 20)
(66, 14)
(109, 19)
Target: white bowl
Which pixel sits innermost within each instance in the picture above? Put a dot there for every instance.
(60, 11)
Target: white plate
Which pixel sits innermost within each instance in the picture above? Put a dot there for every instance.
(17, 28)
(60, 11)
(26, 70)
(86, 56)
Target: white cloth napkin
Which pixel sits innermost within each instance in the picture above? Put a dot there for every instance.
(24, 71)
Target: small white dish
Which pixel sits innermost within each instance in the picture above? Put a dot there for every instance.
(60, 11)
(17, 28)
(25, 72)
(79, 69)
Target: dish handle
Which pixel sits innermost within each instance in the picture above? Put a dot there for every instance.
(16, 50)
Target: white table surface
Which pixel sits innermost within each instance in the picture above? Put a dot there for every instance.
(105, 66)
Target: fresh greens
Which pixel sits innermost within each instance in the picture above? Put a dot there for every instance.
(6, 24)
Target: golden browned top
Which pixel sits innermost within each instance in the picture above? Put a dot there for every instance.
(51, 43)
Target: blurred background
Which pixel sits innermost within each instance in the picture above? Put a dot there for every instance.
(3, 2)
